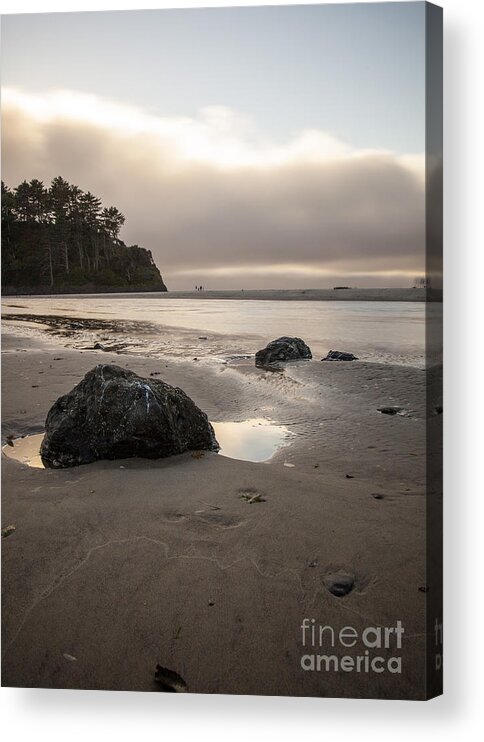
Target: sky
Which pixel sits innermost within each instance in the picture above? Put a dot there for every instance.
(271, 147)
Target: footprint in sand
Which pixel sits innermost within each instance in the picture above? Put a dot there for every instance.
(174, 516)
(341, 580)
(219, 519)
(339, 583)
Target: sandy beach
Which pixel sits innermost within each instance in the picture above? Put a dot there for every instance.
(116, 566)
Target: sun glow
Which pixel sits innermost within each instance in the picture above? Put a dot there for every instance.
(292, 269)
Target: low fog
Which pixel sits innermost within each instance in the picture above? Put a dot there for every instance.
(219, 204)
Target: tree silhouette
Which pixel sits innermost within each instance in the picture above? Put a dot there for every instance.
(61, 235)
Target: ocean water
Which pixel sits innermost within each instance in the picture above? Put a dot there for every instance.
(222, 330)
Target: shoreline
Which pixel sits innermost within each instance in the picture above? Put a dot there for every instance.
(165, 561)
(376, 294)
(224, 331)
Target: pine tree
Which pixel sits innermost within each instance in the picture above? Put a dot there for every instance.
(61, 235)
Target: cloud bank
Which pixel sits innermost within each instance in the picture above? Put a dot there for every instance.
(218, 202)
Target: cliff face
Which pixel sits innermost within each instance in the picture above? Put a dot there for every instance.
(60, 240)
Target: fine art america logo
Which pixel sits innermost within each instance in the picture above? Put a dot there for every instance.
(368, 642)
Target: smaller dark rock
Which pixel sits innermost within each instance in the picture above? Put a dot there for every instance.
(378, 496)
(339, 355)
(282, 349)
(98, 346)
(390, 410)
(339, 583)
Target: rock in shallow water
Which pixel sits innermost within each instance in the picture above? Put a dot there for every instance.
(114, 413)
(282, 349)
(339, 355)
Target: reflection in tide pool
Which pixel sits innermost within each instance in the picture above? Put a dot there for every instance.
(26, 450)
(250, 440)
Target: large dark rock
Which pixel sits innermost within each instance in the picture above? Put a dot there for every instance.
(339, 355)
(282, 349)
(113, 413)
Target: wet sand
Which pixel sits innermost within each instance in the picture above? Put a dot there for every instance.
(116, 566)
